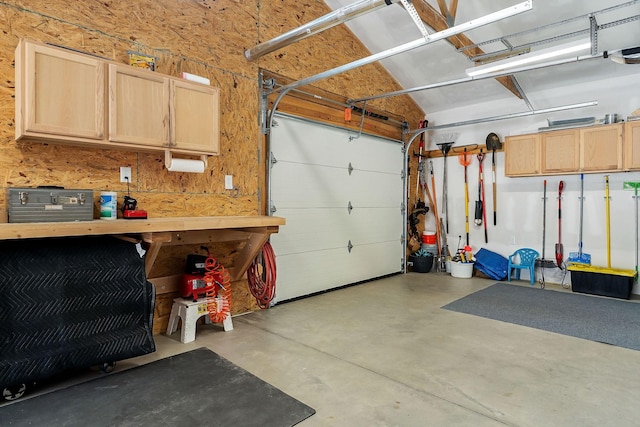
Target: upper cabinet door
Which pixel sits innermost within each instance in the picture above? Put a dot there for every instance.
(632, 145)
(560, 151)
(522, 155)
(59, 93)
(195, 117)
(138, 106)
(601, 148)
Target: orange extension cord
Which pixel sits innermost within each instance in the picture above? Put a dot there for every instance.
(262, 276)
(216, 274)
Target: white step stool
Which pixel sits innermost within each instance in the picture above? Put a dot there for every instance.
(190, 311)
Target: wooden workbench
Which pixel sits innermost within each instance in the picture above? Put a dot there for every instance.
(253, 231)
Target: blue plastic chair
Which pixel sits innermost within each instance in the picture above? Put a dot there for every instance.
(524, 258)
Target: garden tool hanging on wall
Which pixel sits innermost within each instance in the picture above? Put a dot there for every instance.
(631, 185)
(419, 203)
(435, 213)
(580, 257)
(493, 143)
(465, 160)
(445, 147)
(481, 211)
(559, 247)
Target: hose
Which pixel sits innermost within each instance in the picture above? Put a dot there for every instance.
(262, 276)
(218, 300)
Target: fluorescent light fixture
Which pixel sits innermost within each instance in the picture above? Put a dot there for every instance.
(528, 58)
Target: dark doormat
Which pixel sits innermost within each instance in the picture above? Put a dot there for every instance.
(610, 321)
(197, 388)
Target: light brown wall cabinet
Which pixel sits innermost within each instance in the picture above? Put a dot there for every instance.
(138, 107)
(560, 151)
(591, 149)
(75, 98)
(522, 155)
(632, 145)
(59, 94)
(601, 148)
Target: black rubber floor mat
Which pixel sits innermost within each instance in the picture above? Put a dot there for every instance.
(606, 320)
(197, 388)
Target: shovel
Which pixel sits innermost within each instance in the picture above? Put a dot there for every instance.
(493, 143)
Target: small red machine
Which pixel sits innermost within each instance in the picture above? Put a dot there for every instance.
(193, 284)
(130, 207)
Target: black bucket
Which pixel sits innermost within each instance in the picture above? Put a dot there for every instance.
(421, 264)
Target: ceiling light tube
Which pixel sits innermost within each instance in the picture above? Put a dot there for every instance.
(529, 58)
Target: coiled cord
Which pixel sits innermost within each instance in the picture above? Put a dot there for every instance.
(262, 276)
(218, 288)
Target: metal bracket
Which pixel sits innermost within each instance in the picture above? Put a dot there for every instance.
(273, 209)
(350, 168)
(269, 83)
(593, 32)
(349, 246)
(273, 159)
(349, 207)
(364, 113)
(413, 13)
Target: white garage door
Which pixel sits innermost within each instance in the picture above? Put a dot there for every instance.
(342, 199)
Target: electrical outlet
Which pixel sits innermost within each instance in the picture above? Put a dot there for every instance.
(125, 174)
(228, 182)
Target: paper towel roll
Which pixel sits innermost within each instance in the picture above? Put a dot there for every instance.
(186, 165)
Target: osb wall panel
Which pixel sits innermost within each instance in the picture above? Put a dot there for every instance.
(203, 37)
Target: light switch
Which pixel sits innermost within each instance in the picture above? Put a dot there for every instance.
(228, 182)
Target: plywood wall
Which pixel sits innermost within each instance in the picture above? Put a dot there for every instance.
(203, 37)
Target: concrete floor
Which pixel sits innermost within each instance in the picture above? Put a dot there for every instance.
(385, 354)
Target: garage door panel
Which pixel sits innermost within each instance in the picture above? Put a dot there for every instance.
(323, 270)
(385, 160)
(308, 186)
(317, 186)
(311, 230)
(373, 189)
(332, 147)
(376, 225)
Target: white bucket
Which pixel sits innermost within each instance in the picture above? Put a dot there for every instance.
(108, 205)
(462, 270)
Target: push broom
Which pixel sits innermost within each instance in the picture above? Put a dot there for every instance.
(609, 282)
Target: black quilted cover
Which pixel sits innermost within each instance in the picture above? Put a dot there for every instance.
(71, 303)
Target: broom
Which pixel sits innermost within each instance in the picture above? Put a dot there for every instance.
(580, 257)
